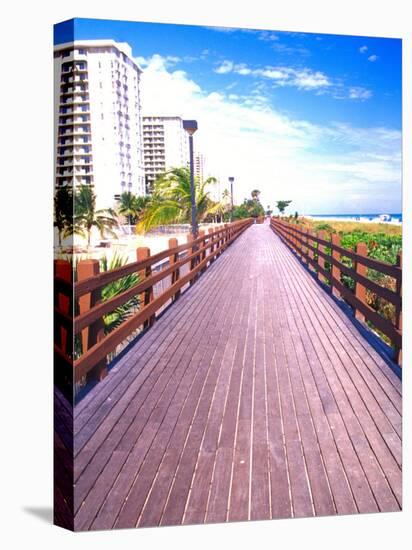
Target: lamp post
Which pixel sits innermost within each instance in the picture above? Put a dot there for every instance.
(191, 126)
(231, 180)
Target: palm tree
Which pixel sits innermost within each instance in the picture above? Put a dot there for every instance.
(127, 207)
(63, 211)
(170, 201)
(282, 205)
(115, 318)
(86, 216)
(140, 203)
(226, 194)
(255, 194)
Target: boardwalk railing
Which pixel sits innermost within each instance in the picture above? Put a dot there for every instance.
(79, 309)
(330, 268)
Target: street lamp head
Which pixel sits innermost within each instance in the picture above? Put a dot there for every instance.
(190, 126)
(231, 179)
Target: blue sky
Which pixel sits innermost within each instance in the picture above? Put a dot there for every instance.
(334, 103)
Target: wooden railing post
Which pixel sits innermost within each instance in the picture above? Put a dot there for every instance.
(294, 244)
(191, 251)
(202, 244)
(335, 269)
(398, 315)
(95, 332)
(142, 253)
(311, 254)
(63, 270)
(173, 243)
(298, 243)
(360, 290)
(220, 242)
(321, 259)
(225, 234)
(212, 247)
(304, 250)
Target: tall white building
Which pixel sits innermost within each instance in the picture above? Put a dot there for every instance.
(200, 166)
(165, 144)
(202, 172)
(98, 135)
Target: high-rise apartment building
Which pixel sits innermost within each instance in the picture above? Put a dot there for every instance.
(165, 146)
(202, 172)
(98, 137)
(200, 166)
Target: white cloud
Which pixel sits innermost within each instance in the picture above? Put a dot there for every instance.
(222, 29)
(268, 36)
(305, 79)
(363, 49)
(276, 74)
(244, 71)
(293, 50)
(357, 92)
(167, 61)
(225, 67)
(373, 58)
(321, 168)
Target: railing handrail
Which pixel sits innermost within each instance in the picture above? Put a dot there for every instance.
(97, 281)
(85, 319)
(90, 316)
(302, 242)
(378, 265)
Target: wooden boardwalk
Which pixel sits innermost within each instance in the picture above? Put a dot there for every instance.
(252, 397)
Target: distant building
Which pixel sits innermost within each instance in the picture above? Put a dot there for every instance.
(203, 173)
(98, 135)
(165, 146)
(200, 166)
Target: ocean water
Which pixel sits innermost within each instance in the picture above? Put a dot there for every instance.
(395, 218)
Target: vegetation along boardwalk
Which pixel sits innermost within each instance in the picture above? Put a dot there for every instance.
(254, 396)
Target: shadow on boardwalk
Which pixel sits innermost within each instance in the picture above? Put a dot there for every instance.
(253, 397)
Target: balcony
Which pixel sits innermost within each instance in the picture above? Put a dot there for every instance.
(81, 163)
(82, 171)
(82, 109)
(64, 173)
(83, 180)
(79, 140)
(64, 152)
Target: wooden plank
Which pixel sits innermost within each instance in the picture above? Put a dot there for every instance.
(356, 341)
(260, 498)
(239, 503)
(356, 477)
(100, 350)
(205, 417)
(363, 417)
(100, 402)
(125, 479)
(220, 484)
(275, 376)
(151, 388)
(181, 453)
